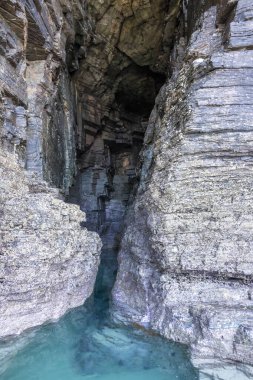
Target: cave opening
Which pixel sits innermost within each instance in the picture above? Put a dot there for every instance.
(109, 161)
(117, 78)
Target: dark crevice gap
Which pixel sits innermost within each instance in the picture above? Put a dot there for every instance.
(105, 187)
(109, 164)
(117, 81)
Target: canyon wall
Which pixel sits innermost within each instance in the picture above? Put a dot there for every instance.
(185, 264)
(48, 260)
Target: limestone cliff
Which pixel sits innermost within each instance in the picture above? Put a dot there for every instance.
(185, 265)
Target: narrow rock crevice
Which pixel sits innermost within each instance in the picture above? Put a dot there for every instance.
(118, 82)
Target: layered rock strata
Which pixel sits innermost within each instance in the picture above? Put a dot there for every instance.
(38, 97)
(185, 265)
(48, 261)
(107, 171)
(74, 90)
(78, 82)
(118, 79)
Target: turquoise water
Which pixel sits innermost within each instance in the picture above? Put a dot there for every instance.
(85, 344)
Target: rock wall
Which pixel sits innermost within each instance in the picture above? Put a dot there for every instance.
(78, 81)
(107, 169)
(185, 264)
(38, 97)
(76, 91)
(48, 260)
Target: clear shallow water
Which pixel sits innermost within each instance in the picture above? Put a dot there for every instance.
(86, 345)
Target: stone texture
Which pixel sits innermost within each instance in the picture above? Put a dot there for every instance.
(36, 46)
(48, 262)
(128, 35)
(107, 169)
(74, 90)
(185, 265)
(221, 370)
(78, 82)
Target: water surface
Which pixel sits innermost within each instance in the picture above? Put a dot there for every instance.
(85, 344)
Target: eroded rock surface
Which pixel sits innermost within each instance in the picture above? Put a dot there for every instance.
(78, 82)
(76, 93)
(185, 266)
(48, 260)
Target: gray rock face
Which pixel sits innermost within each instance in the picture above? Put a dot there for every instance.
(75, 95)
(48, 261)
(78, 80)
(38, 97)
(185, 266)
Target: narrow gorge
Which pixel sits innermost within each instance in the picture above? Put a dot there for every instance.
(126, 219)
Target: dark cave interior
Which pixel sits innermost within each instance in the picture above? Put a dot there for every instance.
(117, 78)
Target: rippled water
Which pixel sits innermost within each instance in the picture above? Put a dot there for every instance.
(86, 345)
